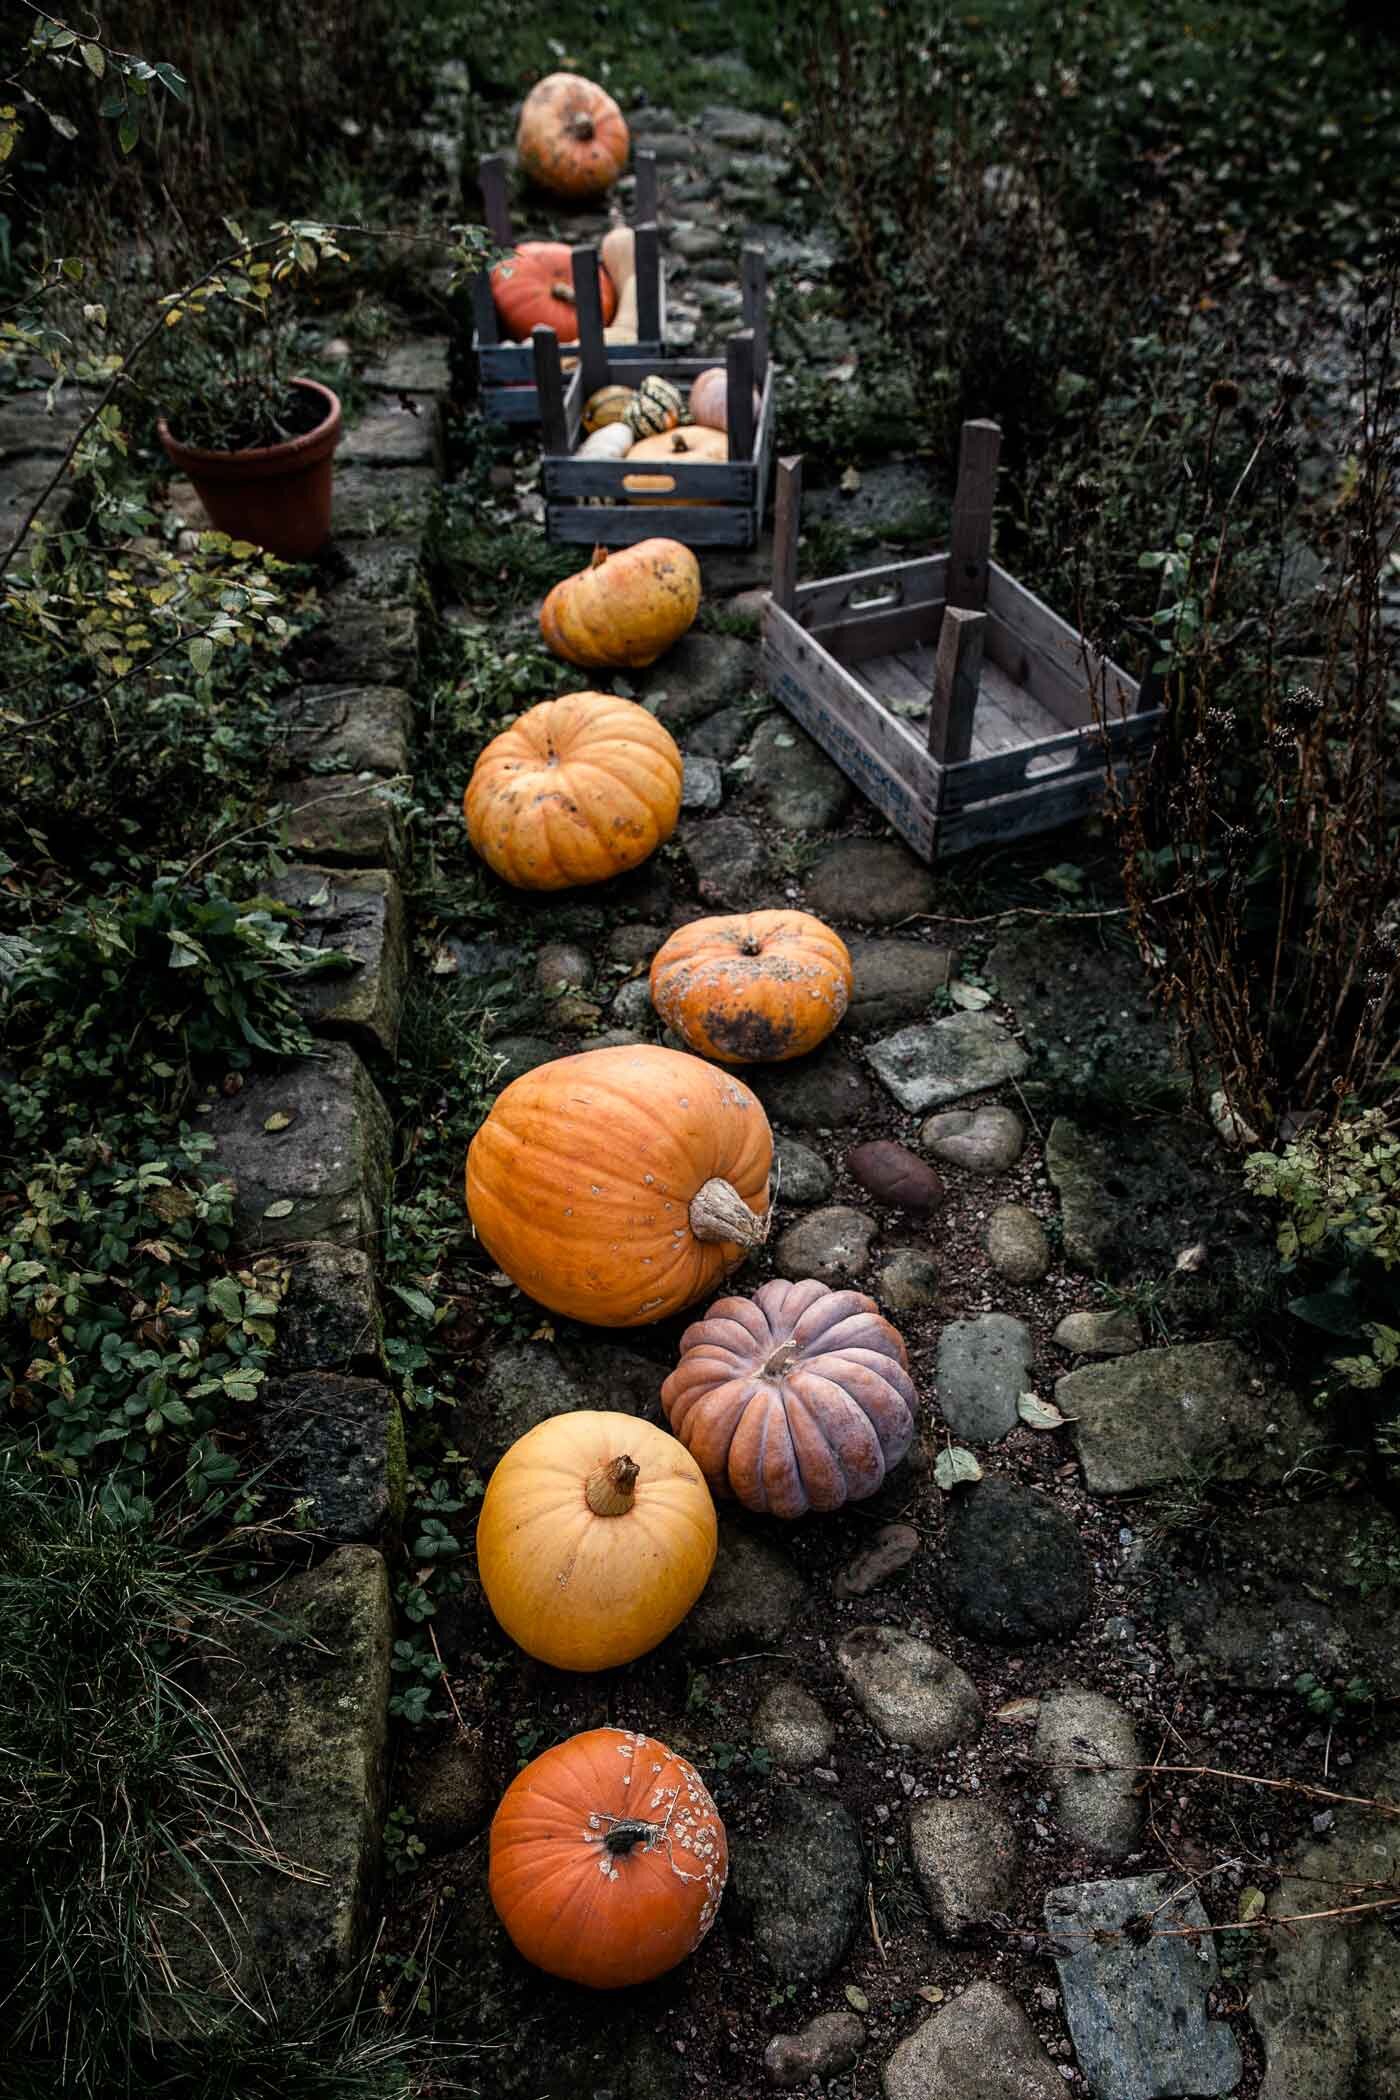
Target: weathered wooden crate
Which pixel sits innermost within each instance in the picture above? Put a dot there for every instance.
(961, 706)
(506, 371)
(714, 503)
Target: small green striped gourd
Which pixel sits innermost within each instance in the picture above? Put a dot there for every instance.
(657, 407)
(609, 405)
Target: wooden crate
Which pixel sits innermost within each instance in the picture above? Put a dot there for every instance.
(715, 503)
(506, 371)
(961, 706)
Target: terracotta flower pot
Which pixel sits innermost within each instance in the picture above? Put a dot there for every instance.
(277, 496)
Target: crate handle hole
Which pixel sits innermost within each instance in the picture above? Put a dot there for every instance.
(875, 600)
(650, 485)
(1051, 762)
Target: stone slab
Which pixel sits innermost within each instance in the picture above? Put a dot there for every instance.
(330, 1318)
(1135, 2001)
(335, 1445)
(392, 434)
(379, 571)
(984, 1366)
(980, 2047)
(360, 912)
(1089, 1749)
(355, 728)
(802, 1886)
(911, 1692)
(363, 646)
(931, 1065)
(869, 882)
(421, 366)
(1201, 1409)
(966, 1859)
(325, 1175)
(895, 980)
(344, 819)
(378, 500)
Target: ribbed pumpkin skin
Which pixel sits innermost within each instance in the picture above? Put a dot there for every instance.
(755, 988)
(709, 399)
(822, 1426)
(587, 1592)
(527, 287)
(579, 1182)
(626, 608)
(574, 1909)
(572, 138)
(575, 791)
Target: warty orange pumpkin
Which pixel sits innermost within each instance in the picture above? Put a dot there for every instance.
(626, 608)
(596, 1536)
(796, 1399)
(619, 1185)
(534, 288)
(608, 1860)
(572, 138)
(755, 988)
(575, 791)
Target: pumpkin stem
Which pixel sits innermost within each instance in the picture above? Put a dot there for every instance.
(678, 443)
(719, 1212)
(600, 555)
(623, 1836)
(564, 293)
(580, 125)
(749, 946)
(611, 1490)
(782, 1360)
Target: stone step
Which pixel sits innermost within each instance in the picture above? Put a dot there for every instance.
(361, 912)
(307, 1149)
(356, 728)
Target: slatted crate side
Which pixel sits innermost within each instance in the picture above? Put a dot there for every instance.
(893, 586)
(1051, 659)
(1074, 755)
(1023, 812)
(625, 524)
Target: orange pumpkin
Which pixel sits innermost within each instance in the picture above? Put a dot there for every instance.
(575, 791)
(700, 447)
(796, 1399)
(618, 1186)
(709, 399)
(756, 988)
(627, 607)
(596, 1536)
(608, 1860)
(572, 137)
(534, 288)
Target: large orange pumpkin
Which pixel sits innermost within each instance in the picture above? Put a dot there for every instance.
(572, 137)
(756, 988)
(597, 1534)
(626, 608)
(798, 1398)
(690, 444)
(575, 791)
(608, 1860)
(618, 1186)
(534, 288)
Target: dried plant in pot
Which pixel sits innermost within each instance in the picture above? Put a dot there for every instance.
(255, 438)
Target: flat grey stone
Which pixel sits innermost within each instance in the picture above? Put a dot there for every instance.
(698, 676)
(869, 882)
(833, 1245)
(720, 124)
(379, 571)
(363, 646)
(519, 1054)
(1099, 1334)
(29, 429)
(330, 1318)
(802, 1176)
(355, 728)
(908, 1282)
(892, 1548)
(360, 912)
(419, 366)
(22, 481)
(527, 1383)
(702, 783)
(337, 1444)
(719, 735)
(727, 859)
(802, 1887)
(1096, 1808)
(939, 1061)
(635, 944)
(391, 435)
(966, 1859)
(1135, 2003)
(820, 1092)
(983, 1140)
(561, 967)
(913, 1694)
(803, 789)
(1016, 1244)
(322, 1177)
(631, 1005)
(342, 819)
(794, 1729)
(825, 2047)
(984, 1367)
(301, 1698)
(1017, 1568)
(753, 1595)
(1200, 1409)
(980, 2047)
(697, 243)
(391, 500)
(894, 981)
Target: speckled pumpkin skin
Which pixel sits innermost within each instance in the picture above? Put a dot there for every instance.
(756, 988)
(574, 1908)
(572, 137)
(796, 1399)
(626, 608)
(575, 791)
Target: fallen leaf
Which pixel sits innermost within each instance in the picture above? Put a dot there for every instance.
(1251, 1905)
(857, 1998)
(931, 1993)
(1017, 1713)
(280, 1120)
(1039, 1414)
(1191, 1259)
(970, 997)
(850, 481)
(499, 1281)
(282, 1209)
(955, 1467)
(444, 963)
